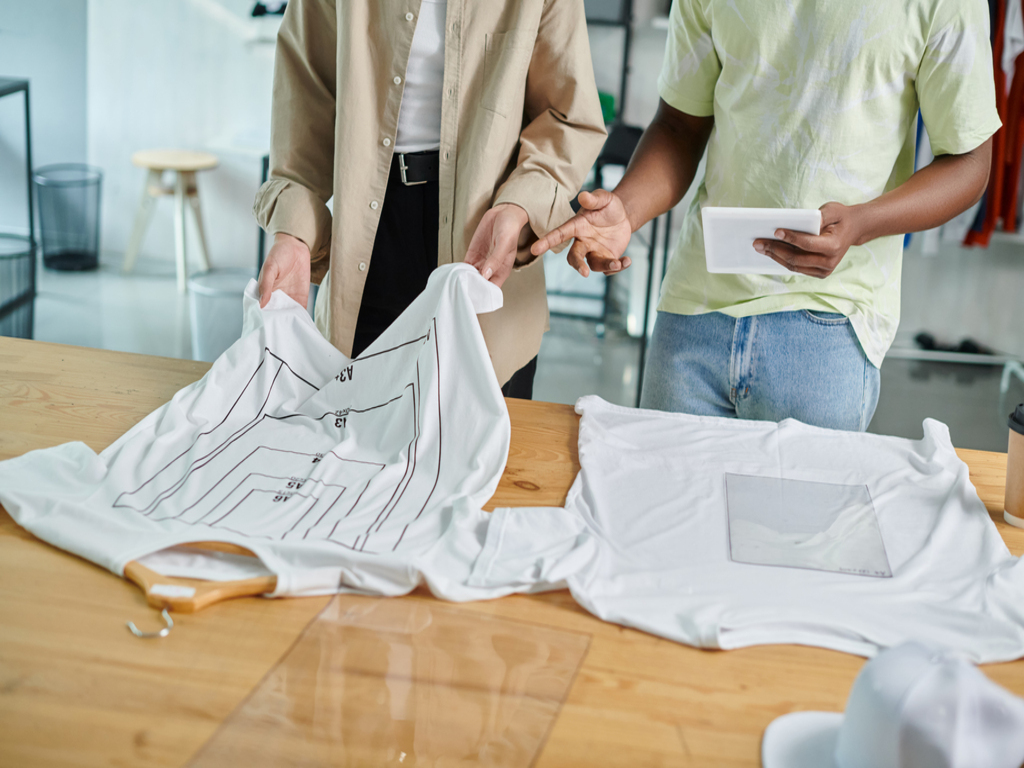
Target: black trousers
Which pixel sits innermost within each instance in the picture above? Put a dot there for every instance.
(404, 255)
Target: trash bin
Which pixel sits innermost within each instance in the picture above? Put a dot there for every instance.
(215, 307)
(69, 215)
(17, 286)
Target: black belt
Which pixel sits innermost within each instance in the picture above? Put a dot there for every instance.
(417, 167)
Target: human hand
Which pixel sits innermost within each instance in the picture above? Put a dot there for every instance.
(815, 255)
(601, 230)
(493, 247)
(286, 269)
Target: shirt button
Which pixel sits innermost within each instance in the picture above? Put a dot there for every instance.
(387, 142)
(397, 80)
(408, 17)
(362, 266)
(445, 155)
(449, 91)
(373, 205)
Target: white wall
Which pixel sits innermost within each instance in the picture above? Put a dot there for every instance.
(42, 41)
(191, 74)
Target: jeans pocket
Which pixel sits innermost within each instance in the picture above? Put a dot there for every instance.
(825, 318)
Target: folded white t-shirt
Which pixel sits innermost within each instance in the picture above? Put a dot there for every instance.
(644, 539)
(361, 475)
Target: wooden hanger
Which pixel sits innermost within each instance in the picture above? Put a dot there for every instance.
(190, 595)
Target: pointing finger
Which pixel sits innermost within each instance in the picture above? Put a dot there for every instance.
(557, 236)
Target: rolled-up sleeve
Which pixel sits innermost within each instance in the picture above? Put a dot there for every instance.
(563, 130)
(301, 181)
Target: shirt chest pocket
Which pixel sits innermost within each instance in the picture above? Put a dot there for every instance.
(506, 62)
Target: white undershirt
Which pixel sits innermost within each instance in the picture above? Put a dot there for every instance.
(419, 119)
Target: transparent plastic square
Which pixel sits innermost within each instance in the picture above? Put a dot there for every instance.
(804, 524)
(404, 682)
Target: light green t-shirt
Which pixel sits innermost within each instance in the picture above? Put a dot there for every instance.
(816, 101)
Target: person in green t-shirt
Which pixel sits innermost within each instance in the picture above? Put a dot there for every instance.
(800, 104)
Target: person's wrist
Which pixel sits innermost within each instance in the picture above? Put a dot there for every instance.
(632, 217)
(283, 238)
(859, 218)
(516, 212)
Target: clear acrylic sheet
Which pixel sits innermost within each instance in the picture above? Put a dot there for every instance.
(802, 524)
(404, 682)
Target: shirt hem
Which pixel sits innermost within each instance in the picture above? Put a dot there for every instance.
(968, 142)
(873, 351)
(684, 103)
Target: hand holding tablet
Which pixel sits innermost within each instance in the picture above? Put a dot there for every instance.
(729, 235)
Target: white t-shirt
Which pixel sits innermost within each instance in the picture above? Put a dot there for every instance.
(341, 475)
(419, 117)
(644, 539)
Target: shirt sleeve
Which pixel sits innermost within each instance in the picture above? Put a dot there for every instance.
(563, 129)
(301, 180)
(691, 67)
(955, 84)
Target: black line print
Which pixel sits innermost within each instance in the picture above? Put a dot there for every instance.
(410, 465)
(290, 461)
(223, 421)
(437, 477)
(425, 337)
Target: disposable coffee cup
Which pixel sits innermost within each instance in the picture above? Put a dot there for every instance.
(1013, 507)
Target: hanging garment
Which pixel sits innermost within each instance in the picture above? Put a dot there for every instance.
(988, 217)
(1001, 200)
(340, 475)
(1013, 38)
(1014, 146)
(1013, 67)
(648, 538)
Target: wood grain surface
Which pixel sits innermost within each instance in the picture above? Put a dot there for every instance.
(77, 689)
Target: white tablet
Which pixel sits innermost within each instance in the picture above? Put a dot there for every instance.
(729, 235)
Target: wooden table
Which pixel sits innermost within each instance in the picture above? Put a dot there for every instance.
(77, 689)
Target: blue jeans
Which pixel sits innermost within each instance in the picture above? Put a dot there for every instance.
(803, 365)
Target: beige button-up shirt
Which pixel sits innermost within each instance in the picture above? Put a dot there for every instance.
(520, 123)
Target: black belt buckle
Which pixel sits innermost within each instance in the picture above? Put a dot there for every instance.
(402, 167)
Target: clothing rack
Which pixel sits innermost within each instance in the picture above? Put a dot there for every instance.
(1001, 200)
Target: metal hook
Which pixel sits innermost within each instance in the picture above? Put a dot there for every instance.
(162, 633)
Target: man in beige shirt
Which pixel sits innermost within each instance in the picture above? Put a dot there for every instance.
(444, 131)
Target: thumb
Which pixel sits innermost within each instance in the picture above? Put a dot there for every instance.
(596, 199)
(494, 261)
(268, 278)
(502, 250)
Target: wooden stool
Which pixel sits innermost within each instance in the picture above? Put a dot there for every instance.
(184, 164)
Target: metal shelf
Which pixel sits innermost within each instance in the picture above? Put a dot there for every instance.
(9, 306)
